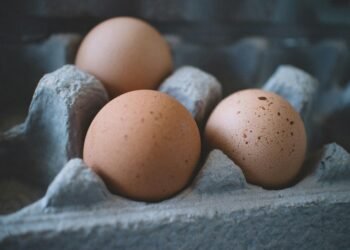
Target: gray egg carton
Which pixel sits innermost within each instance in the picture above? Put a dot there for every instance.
(217, 210)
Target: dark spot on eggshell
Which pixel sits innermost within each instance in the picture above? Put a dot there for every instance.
(262, 98)
(291, 123)
(238, 112)
(142, 120)
(246, 142)
(291, 152)
(278, 113)
(291, 133)
(244, 136)
(126, 137)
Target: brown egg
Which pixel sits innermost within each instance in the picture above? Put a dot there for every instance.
(144, 144)
(262, 133)
(125, 54)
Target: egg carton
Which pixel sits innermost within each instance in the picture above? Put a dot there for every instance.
(217, 210)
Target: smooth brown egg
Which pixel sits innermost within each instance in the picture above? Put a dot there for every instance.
(125, 54)
(260, 132)
(144, 144)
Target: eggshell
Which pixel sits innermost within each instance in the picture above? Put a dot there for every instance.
(262, 133)
(144, 144)
(125, 54)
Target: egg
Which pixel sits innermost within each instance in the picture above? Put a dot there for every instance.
(260, 132)
(125, 54)
(144, 144)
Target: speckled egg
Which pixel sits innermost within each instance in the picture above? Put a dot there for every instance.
(144, 144)
(260, 132)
